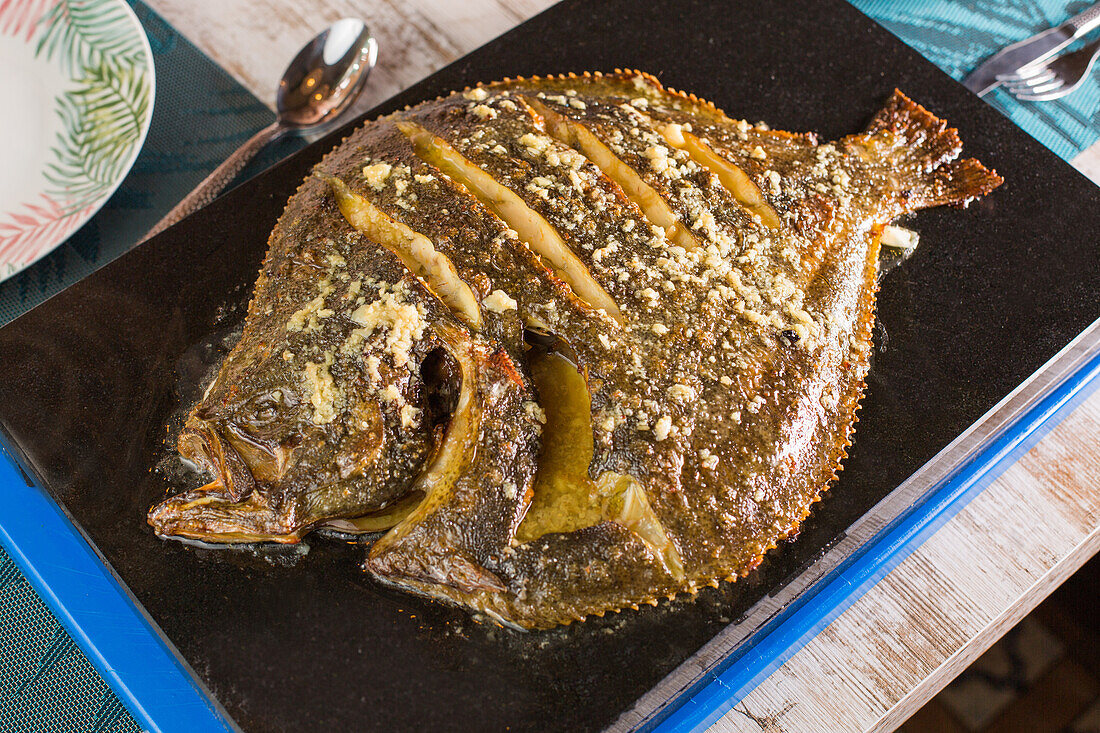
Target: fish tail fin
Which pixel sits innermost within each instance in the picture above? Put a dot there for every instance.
(921, 150)
(957, 183)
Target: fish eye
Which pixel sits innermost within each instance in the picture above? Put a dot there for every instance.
(265, 407)
(265, 412)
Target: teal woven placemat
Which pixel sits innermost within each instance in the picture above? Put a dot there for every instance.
(957, 35)
(202, 115)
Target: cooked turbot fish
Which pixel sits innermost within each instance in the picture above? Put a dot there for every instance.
(570, 344)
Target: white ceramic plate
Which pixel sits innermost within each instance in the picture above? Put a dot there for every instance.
(78, 94)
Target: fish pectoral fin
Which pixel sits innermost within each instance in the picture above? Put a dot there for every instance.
(586, 572)
(448, 574)
(474, 487)
(468, 576)
(583, 548)
(557, 579)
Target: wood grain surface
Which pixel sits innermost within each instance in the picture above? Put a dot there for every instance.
(912, 633)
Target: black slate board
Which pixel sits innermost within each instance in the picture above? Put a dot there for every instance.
(288, 641)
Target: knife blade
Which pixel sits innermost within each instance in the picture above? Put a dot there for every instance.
(1039, 47)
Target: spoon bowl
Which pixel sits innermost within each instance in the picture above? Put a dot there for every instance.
(326, 75)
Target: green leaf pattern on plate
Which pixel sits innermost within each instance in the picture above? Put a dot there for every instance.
(102, 116)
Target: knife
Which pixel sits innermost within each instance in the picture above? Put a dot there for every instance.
(983, 79)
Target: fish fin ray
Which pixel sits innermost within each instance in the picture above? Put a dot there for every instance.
(957, 183)
(913, 140)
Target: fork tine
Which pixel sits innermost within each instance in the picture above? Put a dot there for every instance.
(1031, 95)
(1025, 72)
(1048, 96)
(1040, 78)
(1044, 77)
(1044, 88)
(1024, 88)
(1063, 75)
(1019, 89)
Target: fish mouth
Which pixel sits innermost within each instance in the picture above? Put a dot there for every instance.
(206, 515)
(229, 509)
(238, 459)
(203, 444)
(234, 507)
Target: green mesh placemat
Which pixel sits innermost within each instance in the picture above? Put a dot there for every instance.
(46, 682)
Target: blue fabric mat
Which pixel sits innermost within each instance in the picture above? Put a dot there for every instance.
(202, 115)
(957, 35)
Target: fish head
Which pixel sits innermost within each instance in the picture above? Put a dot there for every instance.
(277, 470)
(249, 427)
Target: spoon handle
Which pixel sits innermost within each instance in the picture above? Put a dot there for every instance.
(213, 184)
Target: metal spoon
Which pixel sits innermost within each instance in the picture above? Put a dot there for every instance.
(319, 84)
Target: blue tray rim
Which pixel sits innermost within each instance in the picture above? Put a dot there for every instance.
(96, 608)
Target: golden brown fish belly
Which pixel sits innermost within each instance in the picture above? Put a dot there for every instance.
(576, 344)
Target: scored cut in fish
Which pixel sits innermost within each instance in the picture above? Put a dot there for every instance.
(570, 344)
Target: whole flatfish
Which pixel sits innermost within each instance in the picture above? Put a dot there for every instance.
(561, 346)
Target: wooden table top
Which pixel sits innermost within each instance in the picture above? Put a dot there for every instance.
(898, 645)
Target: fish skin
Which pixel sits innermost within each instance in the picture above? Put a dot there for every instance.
(482, 248)
(755, 352)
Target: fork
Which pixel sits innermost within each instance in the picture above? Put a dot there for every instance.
(1052, 79)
